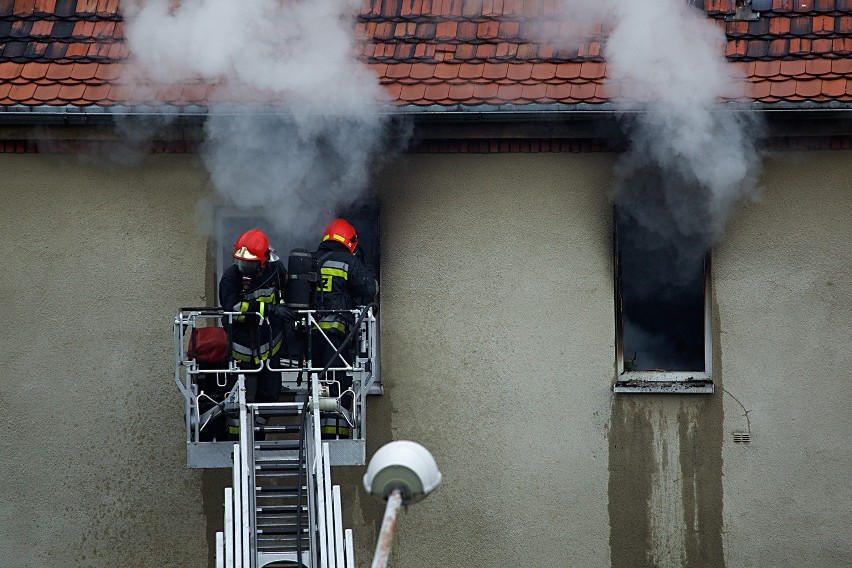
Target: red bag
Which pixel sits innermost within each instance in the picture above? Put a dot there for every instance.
(208, 345)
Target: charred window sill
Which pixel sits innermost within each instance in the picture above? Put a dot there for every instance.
(662, 386)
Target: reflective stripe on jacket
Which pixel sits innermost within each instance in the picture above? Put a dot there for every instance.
(345, 282)
(251, 340)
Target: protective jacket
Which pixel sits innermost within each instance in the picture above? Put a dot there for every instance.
(345, 282)
(251, 342)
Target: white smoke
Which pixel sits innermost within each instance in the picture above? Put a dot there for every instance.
(667, 60)
(690, 158)
(297, 119)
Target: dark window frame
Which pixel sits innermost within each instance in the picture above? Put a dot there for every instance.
(650, 377)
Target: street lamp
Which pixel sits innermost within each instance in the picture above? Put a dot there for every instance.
(400, 473)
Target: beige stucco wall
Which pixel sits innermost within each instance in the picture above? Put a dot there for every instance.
(497, 342)
(784, 289)
(498, 355)
(96, 258)
(492, 265)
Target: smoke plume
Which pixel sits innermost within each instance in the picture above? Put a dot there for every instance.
(690, 158)
(293, 119)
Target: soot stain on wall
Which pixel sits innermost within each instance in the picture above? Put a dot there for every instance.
(633, 471)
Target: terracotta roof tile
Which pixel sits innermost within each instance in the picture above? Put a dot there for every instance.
(72, 92)
(83, 71)
(757, 49)
(96, 93)
(34, 71)
(841, 66)
(108, 71)
(436, 52)
(818, 66)
(485, 91)
(543, 71)
(519, 72)
(783, 89)
(10, 70)
(583, 91)
(834, 88)
(461, 91)
(399, 70)
(778, 48)
(22, 92)
(568, 70)
(810, 88)
(422, 70)
(759, 90)
(486, 51)
(437, 92)
(446, 71)
(793, 68)
(559, 91)
(393, 91)
(606, 91)
(593, 70)
(527, 51)
(767, 68)
(534, 92)
(510, 92)
(495, 71)
(57, 71)
(470, 70)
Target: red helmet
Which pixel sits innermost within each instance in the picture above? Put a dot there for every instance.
(340, 230)
(251, 251)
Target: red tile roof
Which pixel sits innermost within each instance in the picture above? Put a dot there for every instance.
(432, 53)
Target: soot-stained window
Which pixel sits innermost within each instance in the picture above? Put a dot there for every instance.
(662, 309)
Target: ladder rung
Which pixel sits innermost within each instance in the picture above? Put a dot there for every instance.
(273, 456)
(279, 509)
(288, 490)
(284, 411)
(288, 533)
(277, 466)
(280, 494)
(279, 429)
(273, 545)
(287, 528)
(277, 445)
(291, 519)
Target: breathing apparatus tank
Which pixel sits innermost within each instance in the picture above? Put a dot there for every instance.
(301, 280)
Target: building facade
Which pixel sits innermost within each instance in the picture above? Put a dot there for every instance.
(498, 319)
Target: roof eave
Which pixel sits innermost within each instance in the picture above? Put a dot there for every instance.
(556, 120)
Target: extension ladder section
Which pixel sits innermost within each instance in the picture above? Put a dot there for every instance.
(282, 506)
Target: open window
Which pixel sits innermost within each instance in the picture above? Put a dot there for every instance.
(230, 224)
(663, 329)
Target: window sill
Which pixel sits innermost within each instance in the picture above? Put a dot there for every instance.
(662, 386)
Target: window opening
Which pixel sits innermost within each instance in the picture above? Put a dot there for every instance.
(662, 310)
(231, 223)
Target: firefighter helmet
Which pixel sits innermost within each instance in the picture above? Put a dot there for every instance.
(340, 230)
(251, 251)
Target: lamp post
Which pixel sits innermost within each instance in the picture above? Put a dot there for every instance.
(400, 473)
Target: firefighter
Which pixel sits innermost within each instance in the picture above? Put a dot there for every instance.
(255, 284)
(345, 282)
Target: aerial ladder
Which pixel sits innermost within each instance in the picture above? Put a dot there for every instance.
(282, 506)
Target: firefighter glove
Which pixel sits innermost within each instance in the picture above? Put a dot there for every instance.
(282, 311)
